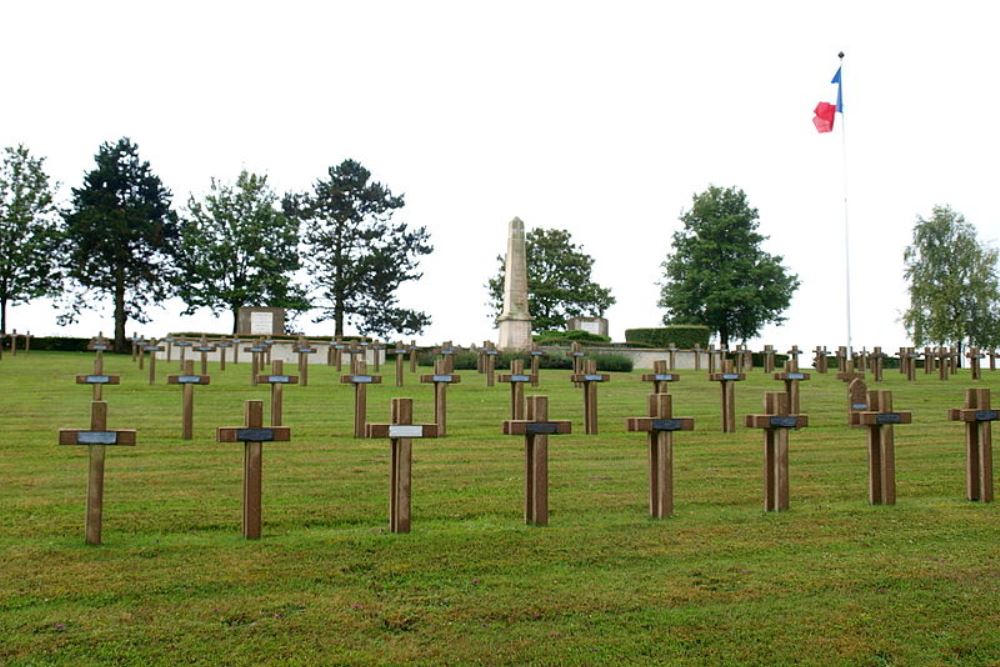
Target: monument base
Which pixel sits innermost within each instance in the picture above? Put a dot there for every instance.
(515, 334)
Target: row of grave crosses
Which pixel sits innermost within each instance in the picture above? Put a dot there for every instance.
(529, 418)
(10, 340)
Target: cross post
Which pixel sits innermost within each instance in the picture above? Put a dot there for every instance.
(977, 416)
(401, 432)
(277, 379)
(660, 426)
(96, 439)
(253, 435)
(879, 420)
(589, 379)
(536, 429)
(660, 377)
(187, 379)
(441, 378)
(726, 380)
(152, 349)
(791, 377)
(517, 379)
(360, 378)
(776, 421)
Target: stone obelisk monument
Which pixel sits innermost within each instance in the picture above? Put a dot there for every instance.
(515, 321)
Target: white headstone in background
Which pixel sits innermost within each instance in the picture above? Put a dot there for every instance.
(591, 326)
(261, 324)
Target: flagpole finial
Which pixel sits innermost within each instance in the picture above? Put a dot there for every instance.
(841, 55)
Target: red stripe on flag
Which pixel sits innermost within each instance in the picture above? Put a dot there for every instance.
(825, 113)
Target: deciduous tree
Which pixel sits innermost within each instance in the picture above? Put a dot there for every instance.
(953, 286)
(29, 232)
(718, 274)
(237, 248)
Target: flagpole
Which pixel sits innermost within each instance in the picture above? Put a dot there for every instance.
(847, 241)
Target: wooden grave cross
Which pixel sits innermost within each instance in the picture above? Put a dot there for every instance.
(726, 379)
(98, 378)
(928, 360)
(660, 426)
(908, 363)
(441, 378)
(577, 354)
(136, 344)
(974, 355)
(977, 416)
(490, 363)
(536, 429)
(253, 435)
(303, 349)
(354, 350)
(376, 348)
(876, 361)
(660, 377)
(168, 340)
(820, 362)
(697, 356)
(776, 421)
(97, 439)
(589, 379)
(99, 344)
(236, 350)
(187, 379)
(857, 398)
(768, 358)
(256, 351)
(517, 379)
(943, 361)
(401, 433)
(993, 358)
(879, 419)
(536, 355)
(794, 353)
(841, 357)
(792, 377)
(360, 378)
(152, 349)
(222, 345)
(335, 354)
(277, 379)
(672, 356)
(399, 351)
(183, 345)
(711, 359)
(447, 352)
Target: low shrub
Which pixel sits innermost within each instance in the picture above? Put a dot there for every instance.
(559, 337)
(684, 336)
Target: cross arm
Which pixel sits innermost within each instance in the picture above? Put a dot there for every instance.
(189, 379)
(401, 431)
(247, 434)
(452, 379)
(777, 421)
(73, 436)
(661, 377)
(98, 379)
(727, 377)
(278, 379)
(590, 377)
(872, 418)
(525, 427)
(973, 415)
(361, 379)
(655, 424)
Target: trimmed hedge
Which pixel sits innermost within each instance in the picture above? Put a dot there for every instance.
(466, 361)
(558, 337)
(683, 336)
(52, 343)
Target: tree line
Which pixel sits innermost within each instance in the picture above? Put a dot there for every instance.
(120, 239)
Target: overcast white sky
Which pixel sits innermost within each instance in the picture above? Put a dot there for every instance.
(600, 118)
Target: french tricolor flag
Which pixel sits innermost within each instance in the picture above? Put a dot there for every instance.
(826, 112)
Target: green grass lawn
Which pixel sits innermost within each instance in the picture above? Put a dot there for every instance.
(832, 581)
